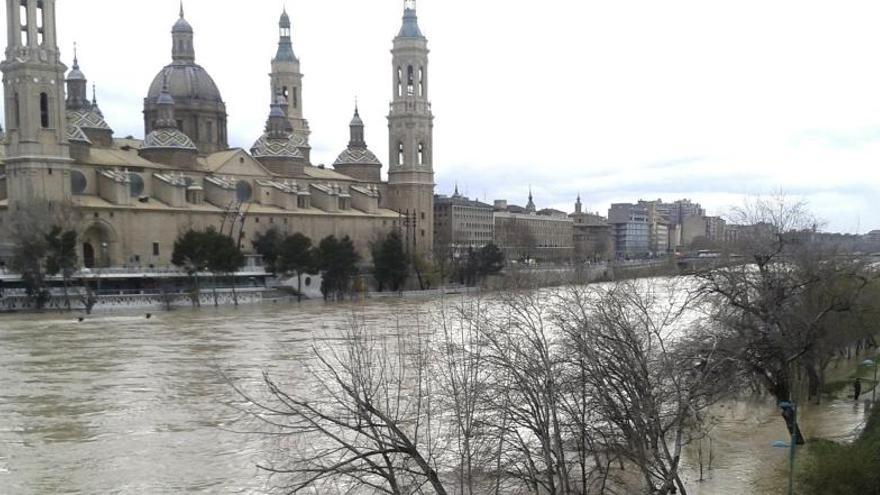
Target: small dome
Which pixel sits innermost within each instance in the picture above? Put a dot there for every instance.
(357, 156)
(410, 28)
(182, 26)
(75, 74)
(185, 82)
(356, 120)
(168, 139)
(87, 119)
(266, 147)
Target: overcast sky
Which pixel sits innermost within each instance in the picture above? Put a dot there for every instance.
(616, 100)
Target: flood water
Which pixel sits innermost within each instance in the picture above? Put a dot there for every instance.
(125, 404)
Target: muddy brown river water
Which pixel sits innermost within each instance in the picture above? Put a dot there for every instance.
(124, 404)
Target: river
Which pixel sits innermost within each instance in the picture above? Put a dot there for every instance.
(126, 404)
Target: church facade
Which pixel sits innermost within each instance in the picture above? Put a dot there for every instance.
(133, 197)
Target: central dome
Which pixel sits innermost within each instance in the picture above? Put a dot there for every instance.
(185, 82)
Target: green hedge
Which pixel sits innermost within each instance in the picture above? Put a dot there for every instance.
(834, 469)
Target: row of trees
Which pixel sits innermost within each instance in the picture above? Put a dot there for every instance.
(532, 392)
(207, 251)
(571, 391)
(336, 259)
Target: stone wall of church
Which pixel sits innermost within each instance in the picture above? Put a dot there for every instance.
(138, 238)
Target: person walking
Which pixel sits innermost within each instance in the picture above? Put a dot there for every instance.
(857, 388)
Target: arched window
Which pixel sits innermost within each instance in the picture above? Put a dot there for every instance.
(421, 154)
(44, 110)
(400, 157)
(295, 96)
(421, 81)
(23, 17)
(410, 81)
(285, 92)
(41, 19)
(399, 82)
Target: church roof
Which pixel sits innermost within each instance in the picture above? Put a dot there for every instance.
(168, 138)
(181, 26)
(410, 28)
(355, 156)
(266, 147)
(87, 118)
(186, 82)
(76, 134)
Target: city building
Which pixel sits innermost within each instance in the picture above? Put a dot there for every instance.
(703, 229)
(526, 234)
(639, 230)
(592, 235)
(133, 197)
(461, 224)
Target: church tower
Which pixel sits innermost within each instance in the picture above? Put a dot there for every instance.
(410, 132)
(37, 155)
(287, 80)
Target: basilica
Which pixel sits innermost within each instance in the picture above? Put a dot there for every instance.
(133, 197)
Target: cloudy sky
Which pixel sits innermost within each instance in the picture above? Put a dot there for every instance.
(703, 99)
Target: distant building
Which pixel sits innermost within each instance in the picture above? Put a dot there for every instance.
(461, 224)
(702, 228)
(639, 230)
(592, 235)
(873, 237)
(524, 233)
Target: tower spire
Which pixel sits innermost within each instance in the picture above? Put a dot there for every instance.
(75, 59)
(181, 9)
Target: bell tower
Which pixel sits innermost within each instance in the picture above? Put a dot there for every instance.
(287, 80)
(37, 155)
(410, 132)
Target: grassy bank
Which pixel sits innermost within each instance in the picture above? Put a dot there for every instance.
(830, 468)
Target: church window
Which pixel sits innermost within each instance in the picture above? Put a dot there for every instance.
(421, 81)
(25, 40)
(155, 249)
(44, 110)
(399, 82)
(285, 93)
(410, 81)
(209, 130)
(17, 116)
(295, 98)
(421, 154)
(78, 182)
(400, 157)
(40, 21)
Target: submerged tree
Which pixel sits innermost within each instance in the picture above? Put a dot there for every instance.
(268, 245)
(337, 259)
(773, 306)
(296, 256)
(391, 268)
(61, 257)
(191, 254)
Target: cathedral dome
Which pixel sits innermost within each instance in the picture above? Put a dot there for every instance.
(185, 82)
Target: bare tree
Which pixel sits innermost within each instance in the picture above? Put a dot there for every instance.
(370, 426)
(648, 378)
